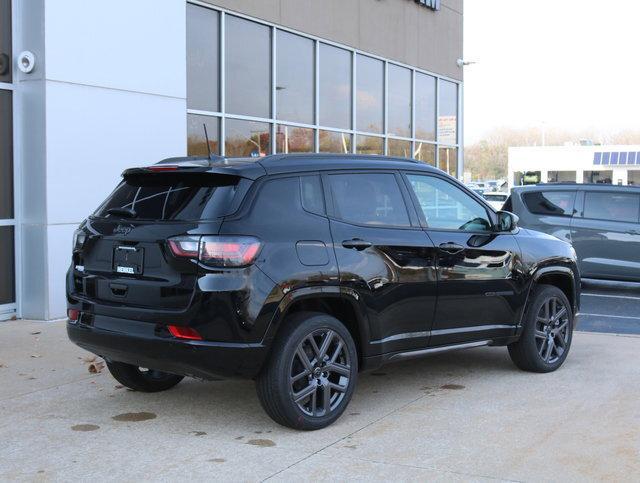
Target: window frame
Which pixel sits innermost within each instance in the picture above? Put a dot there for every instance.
(414, 223)
(491, 213)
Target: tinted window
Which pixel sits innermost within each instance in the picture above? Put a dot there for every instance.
(312, 197)
(6, 155)
(248, 67)
(369, 94)
(7, 274)
(335, 87)
(559, 203)
(202, 58)
(196, 139)
(612, 206)
(369, 145)
(173, 197)
(295, 78)
(246, 138)
(334, 142)
(446, 206)
(448, 160)
(425, 107)
(399, 148)
(368, 199)
(448, 112)
(291, 139)
(5, 41)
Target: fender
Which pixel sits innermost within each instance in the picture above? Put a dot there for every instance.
(320, 293)
(540, 271)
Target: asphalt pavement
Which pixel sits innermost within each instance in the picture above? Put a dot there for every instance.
(613, 310)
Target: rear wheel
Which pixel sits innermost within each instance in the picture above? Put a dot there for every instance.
(142, 379)
(547, 332)
(310, 377)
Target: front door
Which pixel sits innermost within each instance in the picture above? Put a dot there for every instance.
(480, 287)
(605, 233)
(384, 257)
(7, 212)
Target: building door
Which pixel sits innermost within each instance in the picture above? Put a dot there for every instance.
(7, 208)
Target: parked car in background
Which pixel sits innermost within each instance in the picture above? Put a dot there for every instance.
(602, 222)
(299, 271)
(495, 199)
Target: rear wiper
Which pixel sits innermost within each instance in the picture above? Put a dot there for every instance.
(126, 212)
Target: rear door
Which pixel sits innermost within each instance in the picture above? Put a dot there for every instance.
(480, 283)
(383, 256)
(606, 234)
(123, 257)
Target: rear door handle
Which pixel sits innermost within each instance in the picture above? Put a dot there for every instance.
(451, 248)
(356, 243)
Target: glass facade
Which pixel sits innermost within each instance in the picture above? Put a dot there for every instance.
(261, 89)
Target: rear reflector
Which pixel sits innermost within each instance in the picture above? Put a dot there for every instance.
(73, 314)
(184, 332)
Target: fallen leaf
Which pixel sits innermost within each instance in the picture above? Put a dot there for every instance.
(96, 367)
(36, 356)
(118, 386)
(36, 332)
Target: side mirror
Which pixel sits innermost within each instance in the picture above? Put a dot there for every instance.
(507, 221)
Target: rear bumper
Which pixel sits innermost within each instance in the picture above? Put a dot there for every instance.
(139, 343)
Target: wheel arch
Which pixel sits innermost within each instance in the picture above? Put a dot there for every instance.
(560, 277)
(338, 302)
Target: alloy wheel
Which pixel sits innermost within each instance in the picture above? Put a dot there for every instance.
(320, 373)
(552, 330)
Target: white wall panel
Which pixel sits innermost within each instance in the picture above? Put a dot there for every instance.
(122, 44)
(59, 257)
(94, 133)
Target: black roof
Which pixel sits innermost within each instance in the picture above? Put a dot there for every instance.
(253, 168)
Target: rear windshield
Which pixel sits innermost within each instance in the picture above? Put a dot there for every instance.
(172, 196)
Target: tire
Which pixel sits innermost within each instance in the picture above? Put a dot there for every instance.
(328, 374)
(142, 380)
(547, 333)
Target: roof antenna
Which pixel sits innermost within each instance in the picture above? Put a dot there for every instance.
(206, 136)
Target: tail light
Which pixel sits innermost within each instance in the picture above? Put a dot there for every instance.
(181, 332)
(217, 251)
(73, 315)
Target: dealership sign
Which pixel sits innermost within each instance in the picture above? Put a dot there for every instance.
(432, 4)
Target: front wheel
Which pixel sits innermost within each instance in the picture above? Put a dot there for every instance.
(547, 333)
(142, 379)
(310, 377)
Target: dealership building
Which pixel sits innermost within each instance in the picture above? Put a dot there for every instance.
(612, 164)
(88, 89)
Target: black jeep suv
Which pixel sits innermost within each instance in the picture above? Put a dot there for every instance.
(301, 270)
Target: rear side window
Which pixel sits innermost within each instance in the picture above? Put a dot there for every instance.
(612, 206)
(311, 194)
(368, 199)
(558, 203)
(171, 196)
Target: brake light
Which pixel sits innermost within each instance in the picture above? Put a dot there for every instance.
(73, 314)
(217, 251)
(184, 332)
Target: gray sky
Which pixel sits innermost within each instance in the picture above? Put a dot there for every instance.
(568, 63)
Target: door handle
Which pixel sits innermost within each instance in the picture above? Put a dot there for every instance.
(451, 248)
(356, 243)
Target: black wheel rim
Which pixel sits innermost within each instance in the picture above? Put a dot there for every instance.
(552, 330)
(320, 373)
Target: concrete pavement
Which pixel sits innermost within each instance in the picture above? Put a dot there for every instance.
(466, 415)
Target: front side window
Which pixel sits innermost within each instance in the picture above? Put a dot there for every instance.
(610, 206)
(368, 199)
(558, 203)
(446, 206)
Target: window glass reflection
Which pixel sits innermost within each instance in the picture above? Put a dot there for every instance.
(246, 138)
(6, 155)
(248, 67)
(335, 87)
(334, 142)
(425, 107)
(5, 41)
(202, 58)
(294, 78)
(425, 152)
(196, 139)
(448, 160)
(448, 113)
(369, 145)
(399, 104)
(369, 94)
(292, 139)
(7, 267)
(399, 148)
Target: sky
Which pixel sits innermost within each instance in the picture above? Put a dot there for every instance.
(570, 64)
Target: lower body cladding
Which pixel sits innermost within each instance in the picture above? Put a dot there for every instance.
(142, 345)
